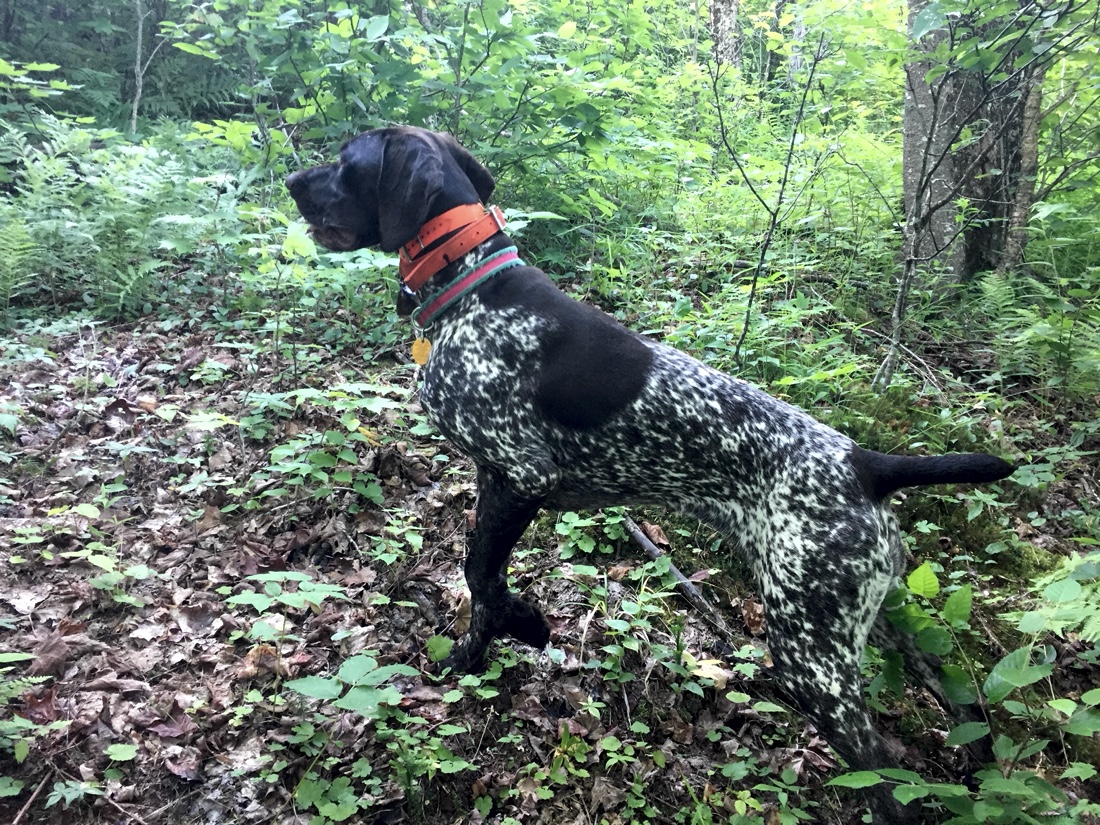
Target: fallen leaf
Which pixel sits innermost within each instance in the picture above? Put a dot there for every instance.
(49, 656)
(618, 572)
(752, 612)
(655, 534)
(40, 708)
(606, 796)
(211, 518)
(178, 724)
(463, 616)
(712, 669)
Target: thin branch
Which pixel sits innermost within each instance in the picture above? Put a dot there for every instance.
(684, 586)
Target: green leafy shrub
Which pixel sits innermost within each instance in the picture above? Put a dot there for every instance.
(107, 220)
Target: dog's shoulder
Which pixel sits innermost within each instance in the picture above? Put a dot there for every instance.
(590, 365)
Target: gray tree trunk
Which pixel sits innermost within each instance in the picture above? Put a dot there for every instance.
(723, 31)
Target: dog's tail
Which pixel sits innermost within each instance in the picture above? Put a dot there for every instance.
(882, 474)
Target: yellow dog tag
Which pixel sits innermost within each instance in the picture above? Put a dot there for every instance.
(420, 349)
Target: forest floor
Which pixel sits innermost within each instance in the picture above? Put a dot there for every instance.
(141, 492)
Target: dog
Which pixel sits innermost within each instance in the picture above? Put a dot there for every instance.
(561, 407)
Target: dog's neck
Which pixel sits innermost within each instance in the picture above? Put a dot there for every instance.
(447, 253)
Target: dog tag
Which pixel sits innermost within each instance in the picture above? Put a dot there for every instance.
(420, 349)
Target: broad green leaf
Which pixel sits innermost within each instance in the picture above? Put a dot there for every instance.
(376, 677)
(768, 707)
(1064, 706)
(567, 29)
(928, 19)
(907, 793)
(901, 775)
(377, 27)
(451, 766)
(259, 601)
(367, 701)
(856, 779)
(958, 685)
(935, 640)
(439, 648)
(191, 48)
(956, 610)
(86, 510)
(298, 243)
(121, 752)
(1065, 590)
(1084, 723)
(1014, 670)
(9, 422)
(1079, 770)
(316, 687)
(355, 669)
(967, 732)
(923, 581)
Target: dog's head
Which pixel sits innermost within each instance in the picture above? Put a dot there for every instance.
(388, 183)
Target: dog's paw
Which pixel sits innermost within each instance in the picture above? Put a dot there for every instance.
(464, 659)
(525, 623)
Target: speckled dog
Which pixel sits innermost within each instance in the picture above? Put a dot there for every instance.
(561, 407)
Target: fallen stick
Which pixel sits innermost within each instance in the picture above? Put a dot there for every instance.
(26, 806)
(684, 586)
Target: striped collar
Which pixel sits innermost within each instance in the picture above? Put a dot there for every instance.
(469, 278)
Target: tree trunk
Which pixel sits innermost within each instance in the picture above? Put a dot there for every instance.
(723, 30)
(962, 156)
(931, 114)
(1016, 233)
(139, 72)
(969, 152)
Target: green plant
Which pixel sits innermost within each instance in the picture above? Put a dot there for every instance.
(102, 214)
(288, 588)
(1012, 790)
(17, 734)
(69, 791)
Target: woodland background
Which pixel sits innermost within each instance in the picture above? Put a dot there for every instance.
(232, 543)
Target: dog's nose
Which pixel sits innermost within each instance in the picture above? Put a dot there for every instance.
(294, 178)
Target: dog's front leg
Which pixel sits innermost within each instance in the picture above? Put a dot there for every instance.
(503, 513)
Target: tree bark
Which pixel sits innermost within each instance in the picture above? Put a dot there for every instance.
(139, 72)
(723, 31)
(963, 154)
(1016, 236)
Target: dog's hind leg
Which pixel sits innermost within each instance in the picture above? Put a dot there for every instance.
(819, 615)
(503, 513)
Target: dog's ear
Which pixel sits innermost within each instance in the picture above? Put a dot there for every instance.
(410, 179)
(477, 174)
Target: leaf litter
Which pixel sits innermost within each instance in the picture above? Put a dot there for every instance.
(153, 471)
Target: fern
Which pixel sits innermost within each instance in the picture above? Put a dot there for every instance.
(17, 251)
(14, 688)
(998, 296)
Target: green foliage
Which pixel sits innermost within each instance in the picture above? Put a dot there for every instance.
(103, 218)
(1013, 790)
(17, 251)
(1052, 329)
(18, 734)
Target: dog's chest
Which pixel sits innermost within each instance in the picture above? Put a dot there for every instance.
(479, 377)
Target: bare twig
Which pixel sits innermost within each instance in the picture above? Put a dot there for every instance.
(684, 586)
(34, 796)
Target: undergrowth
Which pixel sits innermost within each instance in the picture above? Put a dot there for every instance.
(171, 233)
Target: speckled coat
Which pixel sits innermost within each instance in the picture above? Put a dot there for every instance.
(559, 406)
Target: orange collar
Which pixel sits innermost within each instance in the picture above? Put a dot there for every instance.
(472, 223)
